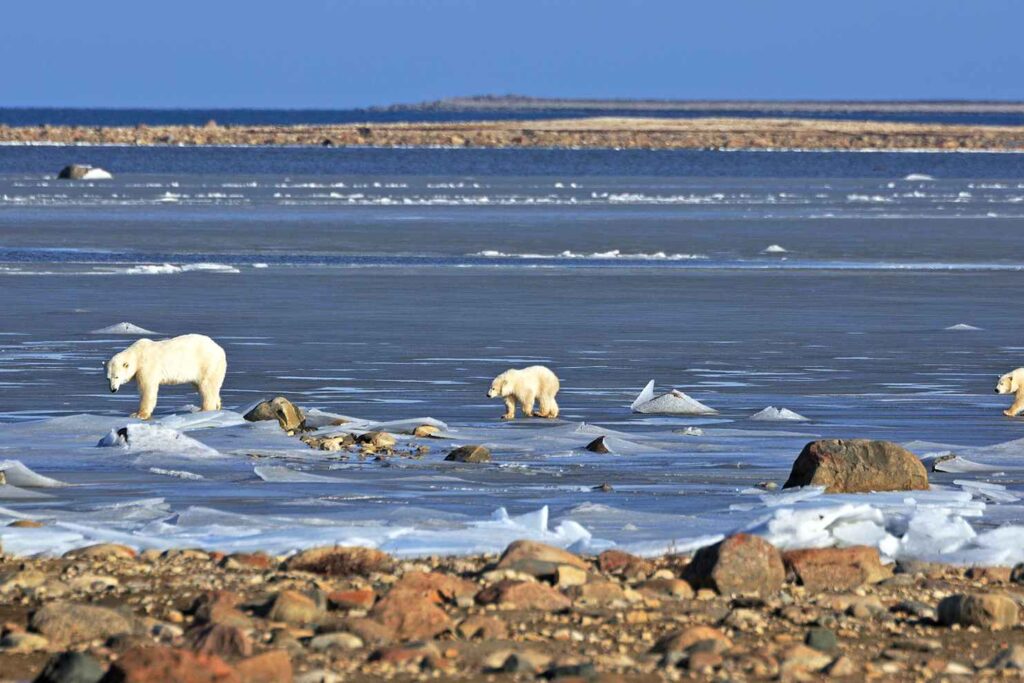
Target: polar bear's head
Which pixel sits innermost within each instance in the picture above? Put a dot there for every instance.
(1011, 382)
(501, 386)
(121, 369)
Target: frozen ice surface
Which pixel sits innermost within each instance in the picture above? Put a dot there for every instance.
(126, 328)
(674, 402)
(773, 414)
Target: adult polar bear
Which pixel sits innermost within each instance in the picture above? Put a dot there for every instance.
(189, 359)
(535, 383)
(1012, 383)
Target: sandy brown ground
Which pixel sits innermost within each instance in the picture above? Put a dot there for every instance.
(626, 133)
(360, 615)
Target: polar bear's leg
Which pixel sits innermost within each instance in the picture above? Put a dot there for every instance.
(147, 400)
(548, 407)
(510, 409)
(527, 402)
(1017, 407)
(209, 392)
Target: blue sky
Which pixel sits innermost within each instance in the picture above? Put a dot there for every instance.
(350, 53)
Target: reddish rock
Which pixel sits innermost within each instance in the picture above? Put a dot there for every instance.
(293, 607)
(483, 627)
(835, 569)
(741, 564)
(990, 574)
(538, 559)
(356, 598)
(681, 641)
(340, 561)
(446, 588)
(251, 560)
(219, 607)
(673, 588)
(984, 610)
(65, 622)
(411, 615)
(523, 595)
(406, 654)
(221, 640)
(597, 593)
(156, 663)
(618, 562)
(369, 630)
(858, 465)
(270, 667)
(102, 551)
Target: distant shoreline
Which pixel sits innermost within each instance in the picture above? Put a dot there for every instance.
(584, 133)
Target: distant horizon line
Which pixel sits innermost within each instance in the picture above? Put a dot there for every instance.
(484, 102)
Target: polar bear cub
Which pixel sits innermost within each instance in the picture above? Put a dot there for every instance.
(1012, 383)
(189, 359)
(535, 383)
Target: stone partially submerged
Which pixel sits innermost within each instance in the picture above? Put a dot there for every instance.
(674, 402)
(858, 466)
(83, 172)
(279, 408)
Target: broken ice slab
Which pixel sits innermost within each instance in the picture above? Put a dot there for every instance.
(954, 464)
(123, 328)
(773, 414)
(674, 402)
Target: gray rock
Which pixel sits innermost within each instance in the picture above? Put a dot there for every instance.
(71, 667)
(822, 639)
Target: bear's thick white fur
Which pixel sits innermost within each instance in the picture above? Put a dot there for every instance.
(1012, 383)
(535, 383)
(189, 359)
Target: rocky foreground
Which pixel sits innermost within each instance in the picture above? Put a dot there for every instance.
(740, 610)
(605, 132)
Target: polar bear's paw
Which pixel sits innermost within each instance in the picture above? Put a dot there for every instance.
(140, 416)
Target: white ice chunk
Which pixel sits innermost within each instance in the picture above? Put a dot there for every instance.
(16, 474)
(141, 438)
(278, 474)
(954, 464)
(773, 414)
(674, 402)
(996, 493)
(963, 327)
(123, 328)
(774, 249)
(918, 176)
(97, 173)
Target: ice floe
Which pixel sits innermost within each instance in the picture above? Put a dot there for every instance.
(774, 249)
(123, 328)
(917, 176)
(963, 327)
(674, 402)
(773, 414)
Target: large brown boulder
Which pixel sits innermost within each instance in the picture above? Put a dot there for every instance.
(985, 610)
(411, 615)
(340, 561)
(524, 595)
(858, 465)
(278, 408)
(149, 664)
(835, 569)
(65, 622)
(739, 565)
(524, 555)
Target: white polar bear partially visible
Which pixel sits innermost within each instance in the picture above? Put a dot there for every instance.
(1012, 383)
(189, 359)
(535, 383)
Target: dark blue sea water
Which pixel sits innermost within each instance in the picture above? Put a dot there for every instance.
(155, 117)
(871, 293)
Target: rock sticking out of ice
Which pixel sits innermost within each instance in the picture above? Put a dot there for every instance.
(774, 249)
(963, 327)
(123, 328)
(674, 402)
(773, 414)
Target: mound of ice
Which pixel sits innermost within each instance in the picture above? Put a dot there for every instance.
(143, 438)
(774, 249)
(674, 402)
(918, 176)
(17, 474)
(773, 414)
(963, 327)
(123, 328)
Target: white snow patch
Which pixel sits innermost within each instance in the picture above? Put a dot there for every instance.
(774, 249)
(123, 328)
(674, 402)
(963, 327)
(918, 176)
